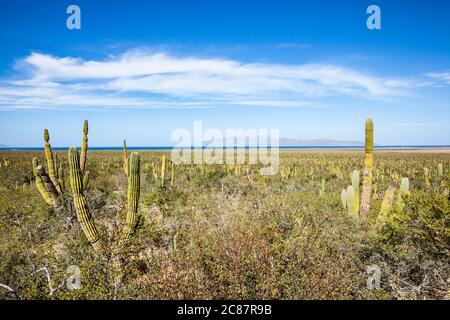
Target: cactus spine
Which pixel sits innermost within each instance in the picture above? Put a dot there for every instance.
(79, 201)
(84, 146)
(133, 194)
(368, 171)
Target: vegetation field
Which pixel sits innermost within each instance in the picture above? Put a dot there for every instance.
(227, 232)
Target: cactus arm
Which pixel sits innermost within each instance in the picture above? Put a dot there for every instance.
(82, 211)
(84, 146)
(86, 180)
(163, 170)
(50, 162)
(368, 172)
(61, 177)
(49, 186)
(40, 184)
(133, 194)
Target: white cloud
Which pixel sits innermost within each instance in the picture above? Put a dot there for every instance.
(443, 77)
(142, 79)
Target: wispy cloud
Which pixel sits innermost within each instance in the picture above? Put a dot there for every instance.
(143, 79)
(442, 77)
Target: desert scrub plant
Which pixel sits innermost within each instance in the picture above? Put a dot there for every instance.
(413, 247)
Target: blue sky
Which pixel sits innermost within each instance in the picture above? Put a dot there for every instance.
(141, 69)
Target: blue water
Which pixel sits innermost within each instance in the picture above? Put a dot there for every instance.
(281, 147)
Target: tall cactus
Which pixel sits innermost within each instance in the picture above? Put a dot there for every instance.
(84, 146)
(404, 191)
(355, 185)
(368, 172)
(82, 211)
(440, 170)
(125, 160)
(133, 194)
(172, 172)
(50, 162)
(163, 170)
(344, 199)
(351, 201)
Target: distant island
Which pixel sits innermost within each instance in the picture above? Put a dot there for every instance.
(319, 143)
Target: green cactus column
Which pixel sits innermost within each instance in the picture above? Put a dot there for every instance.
(51, 162)
(125, 161)
(368, 172)
(355, 185)
(386, 205)
(134, 186)
(79, 201)
(84, 145)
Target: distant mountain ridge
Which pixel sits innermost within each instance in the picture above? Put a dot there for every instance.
(319, 143)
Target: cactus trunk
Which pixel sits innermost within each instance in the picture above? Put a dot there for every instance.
(84, 145)
(79, 201)
(133, 194)
(368, 172)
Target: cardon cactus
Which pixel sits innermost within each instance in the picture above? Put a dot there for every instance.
(51, 162)
(125, 160)
(355, 185)
(322, 189)
(79, 201)
(404, 191)
(351, 209)
(133, 194)
(386, 205)
(426, 176)
(163, 170)
(84, 146)
(172, 172)
(344, 199)
(368, 171)
(440, 170)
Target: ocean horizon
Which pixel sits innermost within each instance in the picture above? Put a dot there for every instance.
(224, 147)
